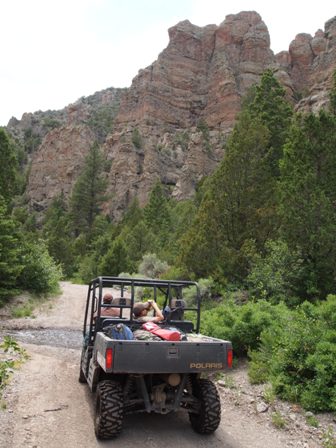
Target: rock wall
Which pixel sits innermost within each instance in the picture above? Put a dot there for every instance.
(57, 163)
(181, 109)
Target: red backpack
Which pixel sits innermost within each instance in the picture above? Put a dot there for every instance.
(168, 334)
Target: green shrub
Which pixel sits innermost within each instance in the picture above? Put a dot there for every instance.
(206, 286)
(320, 393)
(136, 138)
(6, 367)
(174, 273)
(23, 310)
(278, 420)
(115, 260)
(311, 420)
(269, 395)
(40, 273)
(260, 360)
(272, 277)
(16, 356)
(9, 344)
(242, 324)
(297, 355)
(88, 268)
(329, 438)
(151, 266)
(182, 139)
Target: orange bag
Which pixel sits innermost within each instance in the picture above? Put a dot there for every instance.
(167, 334)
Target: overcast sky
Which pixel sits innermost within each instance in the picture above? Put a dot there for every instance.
(55, 51)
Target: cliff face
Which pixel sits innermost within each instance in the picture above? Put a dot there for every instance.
(201, 74)
(310, 63)
(64, 139)
(172, 123)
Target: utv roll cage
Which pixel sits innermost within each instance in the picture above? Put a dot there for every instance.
(172, 290)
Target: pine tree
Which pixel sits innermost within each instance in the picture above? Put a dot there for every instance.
(157, 213)
(9, 167)
(88, 192)
(333, 95)
(268, 104)
(308, 198)
(116, 260)
(240, 203)
(200, 246)
(56, 231)
(11, 264)
(138, 240)
(133, 215)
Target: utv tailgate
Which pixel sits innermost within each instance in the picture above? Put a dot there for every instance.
(162, 356)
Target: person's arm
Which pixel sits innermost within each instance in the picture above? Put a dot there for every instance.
(159, 316)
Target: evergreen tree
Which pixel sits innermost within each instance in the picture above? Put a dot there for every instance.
(269, 105)
(157, 213)
(182, 216)
(200, 246)
(333, 95)
(115, 260)
(9, 167)
(238, 206)
(135, 233)
(308, 198)
(240, 203)
(40, 274)
(10, 253)
(56, 231)
(138, 240)
(88, 192)
(133, 215)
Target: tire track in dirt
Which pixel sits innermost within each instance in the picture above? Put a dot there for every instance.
(48, 408)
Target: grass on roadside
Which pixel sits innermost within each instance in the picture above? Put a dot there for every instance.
(27, 307)
(278, 420)
(24, 310)
(329, 438)
(11, 357)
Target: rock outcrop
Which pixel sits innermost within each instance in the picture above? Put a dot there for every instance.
(201, 74)
(172, 123)
(194, 89)
(64, 139)
(57, 163)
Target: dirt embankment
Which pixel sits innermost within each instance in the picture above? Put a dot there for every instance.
(48, 408)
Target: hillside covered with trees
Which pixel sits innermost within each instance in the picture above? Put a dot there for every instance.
(259, 236)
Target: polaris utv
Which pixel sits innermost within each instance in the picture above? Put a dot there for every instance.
(132, 368)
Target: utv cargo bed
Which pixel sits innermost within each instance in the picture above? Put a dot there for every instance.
(162, 356)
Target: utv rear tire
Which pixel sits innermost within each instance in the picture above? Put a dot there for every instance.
(109, 410)
(209, 416)
(81, 377)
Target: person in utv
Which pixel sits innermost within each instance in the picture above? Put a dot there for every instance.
(109, 312)
(140, 311)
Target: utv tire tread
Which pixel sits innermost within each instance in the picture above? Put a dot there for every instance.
(81, 377)
(109, 410)
(209, 416)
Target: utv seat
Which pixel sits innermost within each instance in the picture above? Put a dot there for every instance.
(177, 309)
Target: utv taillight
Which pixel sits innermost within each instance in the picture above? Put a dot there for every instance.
(108, 358)
(229, 357)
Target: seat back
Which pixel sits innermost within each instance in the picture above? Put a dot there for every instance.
(178, 303)
(177, 309)
(121, 301)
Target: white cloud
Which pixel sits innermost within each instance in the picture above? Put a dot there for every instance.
(55, 51)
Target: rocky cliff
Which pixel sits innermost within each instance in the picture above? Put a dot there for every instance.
(172, 123)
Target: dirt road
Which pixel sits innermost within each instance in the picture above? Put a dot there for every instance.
(48, 408)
